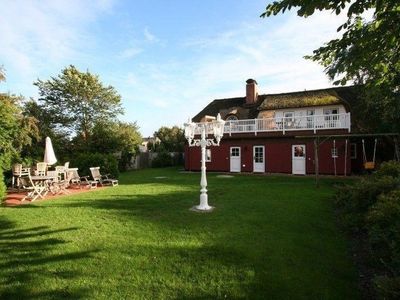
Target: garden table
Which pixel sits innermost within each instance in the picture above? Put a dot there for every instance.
(45, 181)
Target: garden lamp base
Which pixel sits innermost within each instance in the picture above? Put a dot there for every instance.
(199, 208)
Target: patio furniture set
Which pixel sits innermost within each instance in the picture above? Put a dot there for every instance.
(39, 180)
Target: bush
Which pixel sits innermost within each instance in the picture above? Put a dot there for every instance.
(2, 185)
(387, 288)
(163, 159)
(107, 163)
(383, 226)
(372, 206)
(389, 168)
(355, 201)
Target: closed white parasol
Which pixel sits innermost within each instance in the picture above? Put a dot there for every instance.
(49, 156)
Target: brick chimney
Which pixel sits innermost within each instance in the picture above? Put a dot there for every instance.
(251, 91)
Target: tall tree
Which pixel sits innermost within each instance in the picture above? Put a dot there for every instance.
(172, 139)
(367, 53)
(77, 100)
(16, 130)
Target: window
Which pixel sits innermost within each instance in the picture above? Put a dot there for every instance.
(334, 152)
(289, 118)
(331, 114)
(353, 151)
(208, 155)
(232, 118)
(298, 151)
(235, 151)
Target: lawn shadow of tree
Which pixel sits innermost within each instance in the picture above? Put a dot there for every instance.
(25, 257)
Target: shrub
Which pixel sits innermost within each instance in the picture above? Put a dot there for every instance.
(372, 205)
(107, 163)
(355, 200)
(389, 168)
(387, 288)
(2, 185)
(383, 226)
(163, 159)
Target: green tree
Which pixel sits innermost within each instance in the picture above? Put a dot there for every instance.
(366, 54)
(16, 130)
(124, 140)
(60, 139)
(2, 74)
(77, 100)
(172, 139)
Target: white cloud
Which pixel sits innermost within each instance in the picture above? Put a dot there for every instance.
(149, 36)
(36, 35)
(130, 52)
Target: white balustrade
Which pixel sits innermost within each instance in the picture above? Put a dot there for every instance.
(283, 124)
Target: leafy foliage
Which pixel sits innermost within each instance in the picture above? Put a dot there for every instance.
(107, 163)
(17, 130)
(116, 137)
(171, 139)
(372, 205)
(368, 52)
(2, 185)
(2, 74)
(77, 100)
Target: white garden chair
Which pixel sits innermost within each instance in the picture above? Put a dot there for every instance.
(80, 180)
(102, 179)
(17, 172)
(34, 190)
(41, 169)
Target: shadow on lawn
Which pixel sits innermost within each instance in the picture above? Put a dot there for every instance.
(26, 259)
(227, 242)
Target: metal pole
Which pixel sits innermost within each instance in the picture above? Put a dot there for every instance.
(345, 159)
(334, 155)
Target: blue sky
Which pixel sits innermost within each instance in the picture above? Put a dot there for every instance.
(167, 59)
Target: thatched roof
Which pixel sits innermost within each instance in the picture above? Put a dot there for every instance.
(301, 99)
(238, 106)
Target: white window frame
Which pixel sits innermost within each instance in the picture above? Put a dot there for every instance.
(329, 111)
(334, 152)
(310, 118)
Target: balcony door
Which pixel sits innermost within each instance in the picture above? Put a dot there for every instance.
(299, 159)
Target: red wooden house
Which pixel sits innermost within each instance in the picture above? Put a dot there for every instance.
(273, 133)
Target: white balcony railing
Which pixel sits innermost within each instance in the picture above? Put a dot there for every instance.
(284, 124)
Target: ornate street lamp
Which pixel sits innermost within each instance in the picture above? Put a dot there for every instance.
(191, 129)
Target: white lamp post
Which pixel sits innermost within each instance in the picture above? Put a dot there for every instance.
(203, 142)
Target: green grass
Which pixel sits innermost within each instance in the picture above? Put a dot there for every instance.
(270, 237)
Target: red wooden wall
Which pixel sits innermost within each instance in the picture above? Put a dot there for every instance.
(278, 156)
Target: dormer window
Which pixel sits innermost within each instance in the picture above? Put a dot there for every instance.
(231, 118)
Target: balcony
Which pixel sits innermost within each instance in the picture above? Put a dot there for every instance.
(287, 124)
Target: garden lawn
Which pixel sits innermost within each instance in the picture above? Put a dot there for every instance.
(269, 237)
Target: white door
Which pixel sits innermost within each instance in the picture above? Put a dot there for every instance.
(235, 159)
(299, 159)
(258, 159)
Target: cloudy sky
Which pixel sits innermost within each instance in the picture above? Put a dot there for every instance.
(168, 59)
